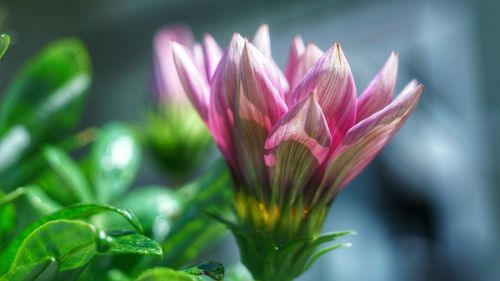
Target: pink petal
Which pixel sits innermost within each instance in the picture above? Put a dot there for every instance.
(259, 95)
(379, 93)
(297, 49)
(364, 141)
(259, 106)
(222, 96)
(332, 79)
(310, 56)
(199, 60)
(212, 54)
(295, 148)
(167, 83)
(192, 80)
(262, 40)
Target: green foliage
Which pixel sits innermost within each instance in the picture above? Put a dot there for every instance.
(178, 139)
(43, 103)
(72, 212)
(59, 243)
(238, 272)
(193, 230)
(67, 173)
(212, 269)
(7, 217)
(176, 218)
(165, 274)
(4, 44)
(116, 156)
(202, 271)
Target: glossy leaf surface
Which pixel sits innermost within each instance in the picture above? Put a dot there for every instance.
(66, 245)
(72, 212)
(165, 274)
(4, 44)
(116, 157)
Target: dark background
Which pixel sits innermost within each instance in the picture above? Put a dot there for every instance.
(428, 207)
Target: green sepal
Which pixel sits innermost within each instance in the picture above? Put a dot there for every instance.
(268, 259)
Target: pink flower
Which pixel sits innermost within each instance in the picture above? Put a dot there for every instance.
(293, 140)
(167, 83)
(173, 129)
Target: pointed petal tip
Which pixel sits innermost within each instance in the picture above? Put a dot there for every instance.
(208, 37)
(314, 50)
(178, 49)
(335, 51)
(237, 37)
(297, 37)
(394, 57)
(263, 28)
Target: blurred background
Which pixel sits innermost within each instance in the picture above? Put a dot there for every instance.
(428, 208)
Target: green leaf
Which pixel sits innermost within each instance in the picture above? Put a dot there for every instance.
(156, 207)
(69, 245)
(44, 270)
(4, 44)
(212, 269)
(193, 231)
(116, 157)
(42, 103)
(165, 274)
(7, 218)
(132, 243)
(72, 212)
(238, 272)
(42, 203)
(34, 164)
(51, 87)
(69, 174)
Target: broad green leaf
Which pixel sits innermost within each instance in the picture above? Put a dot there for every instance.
(46, 269)
(4, 44)
(132, 243)
(69, 245)
(72, 212)
(69, 174)
(212, 269)
(165, 274)
(116, 157)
